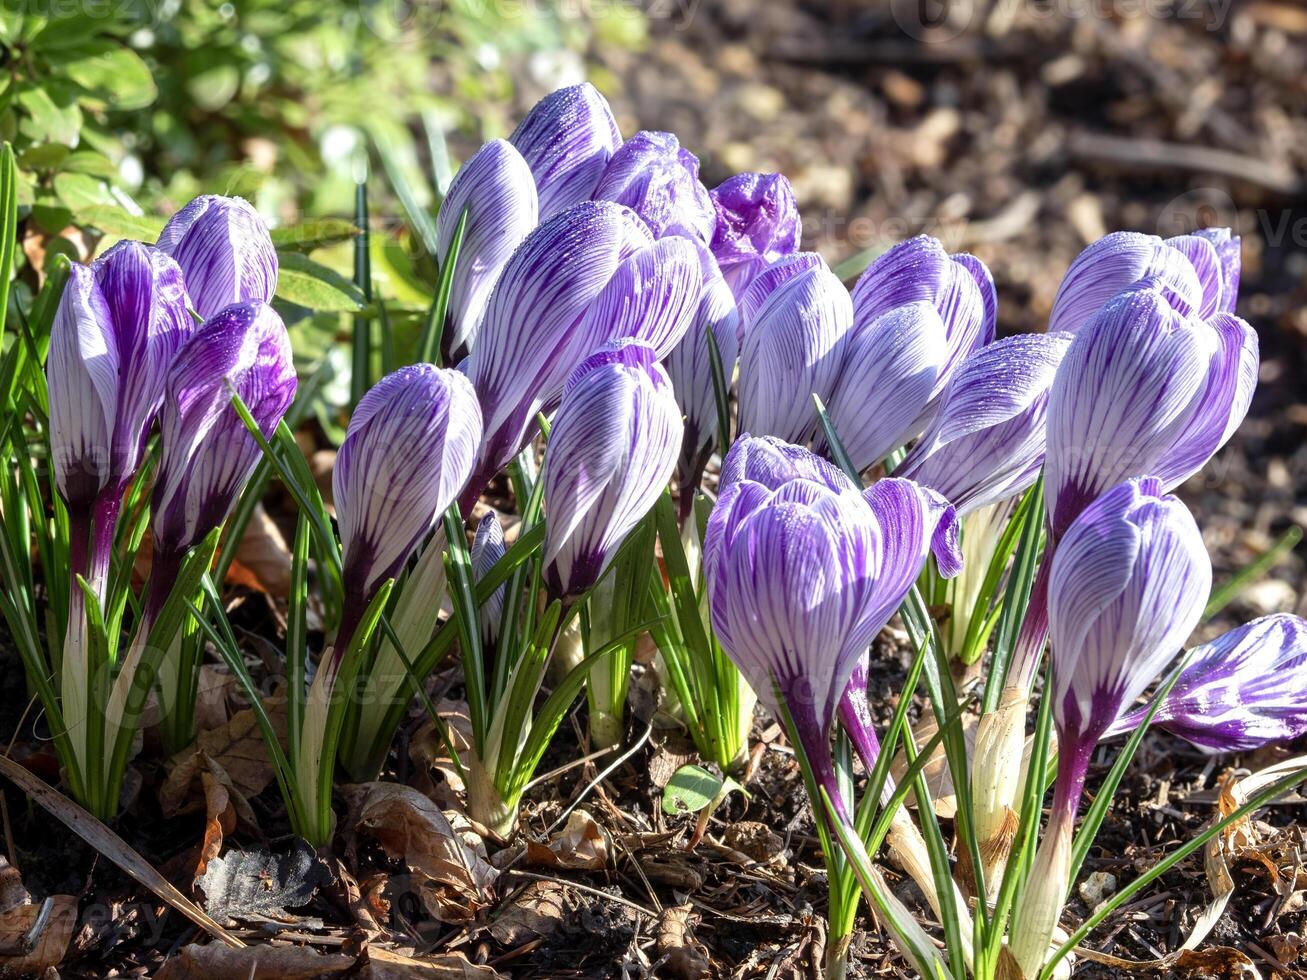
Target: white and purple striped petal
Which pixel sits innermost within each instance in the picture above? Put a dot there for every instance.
(82, 374)
(498, 193)
(1143, 389)
(889, 375)
(652, 296)
(1243, 690)
(772, 462)
(1120, 261)
(117, 329)
(208, 454)
(958, 286)
(654, 176)
(791, 349)
(689, 366)
(225, 253)
(530, 338)
(567, 139)
(487, 549)
(988, 439)
(757, 224)
(405, 457)
(1127, 586)
(1229, 254)
(611, 451)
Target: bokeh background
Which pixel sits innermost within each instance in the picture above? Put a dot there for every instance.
(1019, 130)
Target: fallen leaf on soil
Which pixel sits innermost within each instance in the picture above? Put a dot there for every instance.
(260, 886)
(384, 964)
(264, 962)
(537, 911)
(582, 846)
(236, 756)
(211, 692)
(683, 956)
(262, 560)
(454, 878)
(437, 777)
(12, 890)
(35, 937)
(219, 821)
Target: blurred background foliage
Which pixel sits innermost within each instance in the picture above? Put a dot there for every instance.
(120, 111)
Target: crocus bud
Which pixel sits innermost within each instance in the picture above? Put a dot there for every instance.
(652, 297)
(654, 176)
(530, 340)
(1229, 255)
(225, 253)
(902, 362)
(1128, 584)
(1245, 689)
(1198, 274)
(801, 575)
(611, 452)
(757, 224)
(987, 441)
(208, 454)
(791, 349)
(406, 455)
(496, 190)
(689, 366)
(567, 140)
(487, 549)
(1143, 389)
(891, 371)
(117, 328)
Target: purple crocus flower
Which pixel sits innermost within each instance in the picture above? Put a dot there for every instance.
(1198, 274)
(498, 193)
(757, 224)
(611, 452)
(654, 176)
(802, 573)
(987, 441)
(1143, 389)
(406, 455)
(530, 336)
(652, 296)
(567, 140)
(917, 313)
(118, 326)
(689, 366)
(225, 253)
(1245, 689)
(891, 371)
(487, 549)
(208, 454)
(791, 347)
(1129, 582)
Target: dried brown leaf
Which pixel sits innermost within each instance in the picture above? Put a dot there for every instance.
(263, 962)
(36, 937)
(454, 878)
(383, 964)
(537, 911)
(582, 846)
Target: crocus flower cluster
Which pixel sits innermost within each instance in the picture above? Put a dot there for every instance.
(124, 345)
